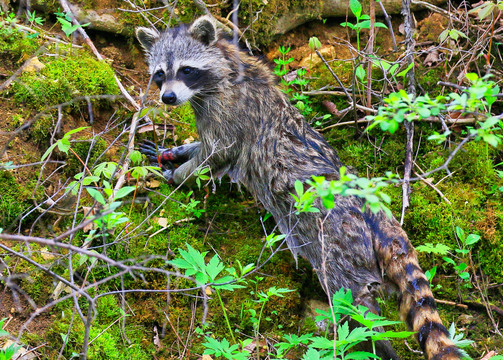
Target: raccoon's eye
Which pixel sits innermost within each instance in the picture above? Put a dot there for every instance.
(158, 76)
(187, 70)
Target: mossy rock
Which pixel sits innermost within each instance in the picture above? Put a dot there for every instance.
(71, 75)
(16, 46)
(16, 199)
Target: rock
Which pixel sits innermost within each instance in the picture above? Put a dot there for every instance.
(299, 14)
(328, 52)
(310, 311)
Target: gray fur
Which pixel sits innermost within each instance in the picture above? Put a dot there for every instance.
(249, 130)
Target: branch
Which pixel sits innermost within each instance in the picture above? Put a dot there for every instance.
(409, 125)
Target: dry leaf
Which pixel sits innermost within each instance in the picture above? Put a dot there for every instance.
(162, 221)
(206, 357)
(207, 290)
(188, 140)
(34, 65)
(153, 184)
(157, 341)
(89, 212)
(146, 128)
(331, 107)
(433, 57)
(46, 255)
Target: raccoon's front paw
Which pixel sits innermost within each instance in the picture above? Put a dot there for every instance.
(151, 151)
(177, 154)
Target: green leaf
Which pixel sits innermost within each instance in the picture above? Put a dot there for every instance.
(64, 145)
(440, 249)
(321, 342)
(460, 233)
(48, 151)
(299, 187)
(360, 355)
(311, 354)
(135, 156)
(356, 8)
(73, 131)
(124, 191)
(96, 195)
(404, 72)
(449, 260)
(472, 239)
(360, 73)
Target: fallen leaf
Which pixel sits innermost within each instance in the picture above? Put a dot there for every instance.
(188, 140)
(34, 65)
(206, 357)
(153, 184)
(157, 341)
(46, 255)
(89, 212)
(331, 107)
(146, 128)
(433, 57)
(207, 290)
(162, 221)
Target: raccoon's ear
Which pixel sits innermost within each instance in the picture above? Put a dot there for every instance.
(204, 29)
(147, 37)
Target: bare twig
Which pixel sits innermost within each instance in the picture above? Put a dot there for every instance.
(409, 125)
(430, 184)
(370, 51)
(390, 26)
(350, 99)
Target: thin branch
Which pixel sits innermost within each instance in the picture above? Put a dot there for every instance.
(409, 125)
(390, 26)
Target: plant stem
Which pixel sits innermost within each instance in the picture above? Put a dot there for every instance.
(225, 316)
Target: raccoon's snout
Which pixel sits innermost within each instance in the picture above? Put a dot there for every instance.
(169, 98)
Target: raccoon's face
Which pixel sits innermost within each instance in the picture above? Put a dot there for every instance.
(182, 61)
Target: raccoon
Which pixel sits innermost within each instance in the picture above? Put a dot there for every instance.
(249, 130)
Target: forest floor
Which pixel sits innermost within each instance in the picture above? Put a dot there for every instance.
(221, 219)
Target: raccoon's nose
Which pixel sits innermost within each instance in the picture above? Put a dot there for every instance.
(169, 98)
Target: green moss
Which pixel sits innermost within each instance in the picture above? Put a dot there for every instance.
(63, 79)
(42, 129)
(15, 200)
(82, 148)
(16, 46)
(106, 338)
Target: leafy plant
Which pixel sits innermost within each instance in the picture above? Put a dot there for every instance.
(224, 349)
(210, 273)
(362, 21)
(8, 352)
(370, 190)
(66, 24)
(34, 19)
(461, 255)
(281, 68)
(477, 99)
(202, 176)
(320, 347)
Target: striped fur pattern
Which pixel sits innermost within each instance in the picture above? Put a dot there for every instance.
(249, 130)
